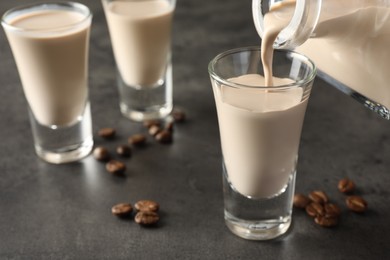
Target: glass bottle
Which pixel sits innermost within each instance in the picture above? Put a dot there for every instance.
(347, 39)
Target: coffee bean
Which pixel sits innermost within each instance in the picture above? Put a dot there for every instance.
(164, 136)
(154, 130)
(346, 185)
(122, 209)
(147, 205)
(149, 123)
(300, 201)
(146, 218)
(123, 150)
(318, 196)
(137, 139)
(315, 209)
(178, 115)
(332, 210)
(326, 221)
(107, 133)
(356, 204)
(116, 167)
(101, 153)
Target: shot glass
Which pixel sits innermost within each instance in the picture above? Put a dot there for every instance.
(260, 130)
(140, 33)
(50, 42)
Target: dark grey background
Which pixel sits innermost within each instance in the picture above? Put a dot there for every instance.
(63, 212)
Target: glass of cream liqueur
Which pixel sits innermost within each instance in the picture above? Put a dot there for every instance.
(50, 44)
(260, 127)
(140, 33)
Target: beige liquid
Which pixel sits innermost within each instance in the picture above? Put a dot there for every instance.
(52, 63)
(140, 34)
(260, 132)
(260, 129)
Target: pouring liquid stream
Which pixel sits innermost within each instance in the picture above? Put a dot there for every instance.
(274, 22)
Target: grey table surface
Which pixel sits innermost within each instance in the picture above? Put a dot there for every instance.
(63, 211)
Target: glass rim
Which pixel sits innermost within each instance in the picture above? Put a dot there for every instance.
(171, 2)
(47, 6)
(213, 74)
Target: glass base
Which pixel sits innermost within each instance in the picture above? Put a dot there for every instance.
(257, 230)
(145, 102)
(63, 144)
(66, 154)
(258, 218)
(142, 115)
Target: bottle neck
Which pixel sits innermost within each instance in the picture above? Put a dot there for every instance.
(302, 24)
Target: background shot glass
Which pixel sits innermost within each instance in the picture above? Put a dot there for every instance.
(140, 33)
(50, 44)
(260, 130)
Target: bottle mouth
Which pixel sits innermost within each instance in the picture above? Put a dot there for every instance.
(301, 26)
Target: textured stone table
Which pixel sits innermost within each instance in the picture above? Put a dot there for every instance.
(63, 212)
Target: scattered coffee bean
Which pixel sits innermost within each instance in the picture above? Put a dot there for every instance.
(315, 209)
(123, 150)
(356, 204)
(325, 213)
(325, 221)
(164, 136)
(346, 185)
(122, 209)
(149, 123)
(137, 139)
(332, 210)
(107, 133)
(116, 167)
(101, 153)
(178, 115)
(154, 130)
(147, 218)
(147, 205)
(300, 201)
(318, 196)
